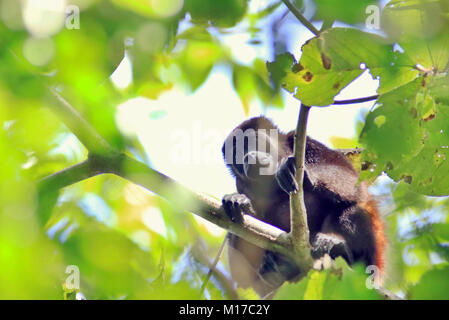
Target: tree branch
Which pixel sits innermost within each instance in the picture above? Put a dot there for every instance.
(87, 135)
(68, 176)
(357, 100)
(301, 18)
(213, 270)
(299, 230)
(253, 230)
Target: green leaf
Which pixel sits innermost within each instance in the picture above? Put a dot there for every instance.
(349, 284)
(337, 283)
(441, 230)
(279, 68)
(193, 63)
(224, 13)
(46, 202)
(412, 142)
(243, 80)
(315, 286)
(110, 264)
(433, 285)
(420, 27)
(330, 62)
(349, 11)
(158, 9)
(293, 291)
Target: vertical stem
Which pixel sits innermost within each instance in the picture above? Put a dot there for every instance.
(299, 231)
(327, 24)
(301, 18)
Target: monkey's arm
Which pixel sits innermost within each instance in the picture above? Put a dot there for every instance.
(332, 181)
(328, 240)
(346, 232)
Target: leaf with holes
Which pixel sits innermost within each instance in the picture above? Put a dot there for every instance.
(407, 136)
(334, 59)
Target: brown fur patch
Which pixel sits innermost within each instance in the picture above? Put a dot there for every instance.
(370, 206)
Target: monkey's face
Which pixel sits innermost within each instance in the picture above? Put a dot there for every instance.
(252, 155)
(257, 164)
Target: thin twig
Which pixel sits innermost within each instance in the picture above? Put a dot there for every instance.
(213, 266)
(301, 18)
(357, 100)
(225, 282)
(83, 130)
(68, 176)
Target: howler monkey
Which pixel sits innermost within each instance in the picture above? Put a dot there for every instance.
(342, 217)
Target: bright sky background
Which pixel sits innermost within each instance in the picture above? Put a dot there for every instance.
(205, 119)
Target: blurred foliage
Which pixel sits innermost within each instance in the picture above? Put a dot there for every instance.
(224, 13)
(339, 283)
(349, 11)
(130, 244)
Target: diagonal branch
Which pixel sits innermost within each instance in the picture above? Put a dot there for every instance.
(87, 135)
(252, 229)
(301, 18)
(66, 177)
(82, 129)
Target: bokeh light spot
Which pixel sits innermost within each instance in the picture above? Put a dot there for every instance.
(166, 8)
(151, 37)
(39, 51)
(44, 17)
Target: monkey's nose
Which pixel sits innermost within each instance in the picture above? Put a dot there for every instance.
(254, 162)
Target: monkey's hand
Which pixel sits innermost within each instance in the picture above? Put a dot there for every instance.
(235, 204)
(335, 247)
(285, 175)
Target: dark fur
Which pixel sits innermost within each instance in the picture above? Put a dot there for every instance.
(342, 219)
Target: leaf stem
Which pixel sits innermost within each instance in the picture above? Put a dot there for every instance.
(357, 100)
(301, 18)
